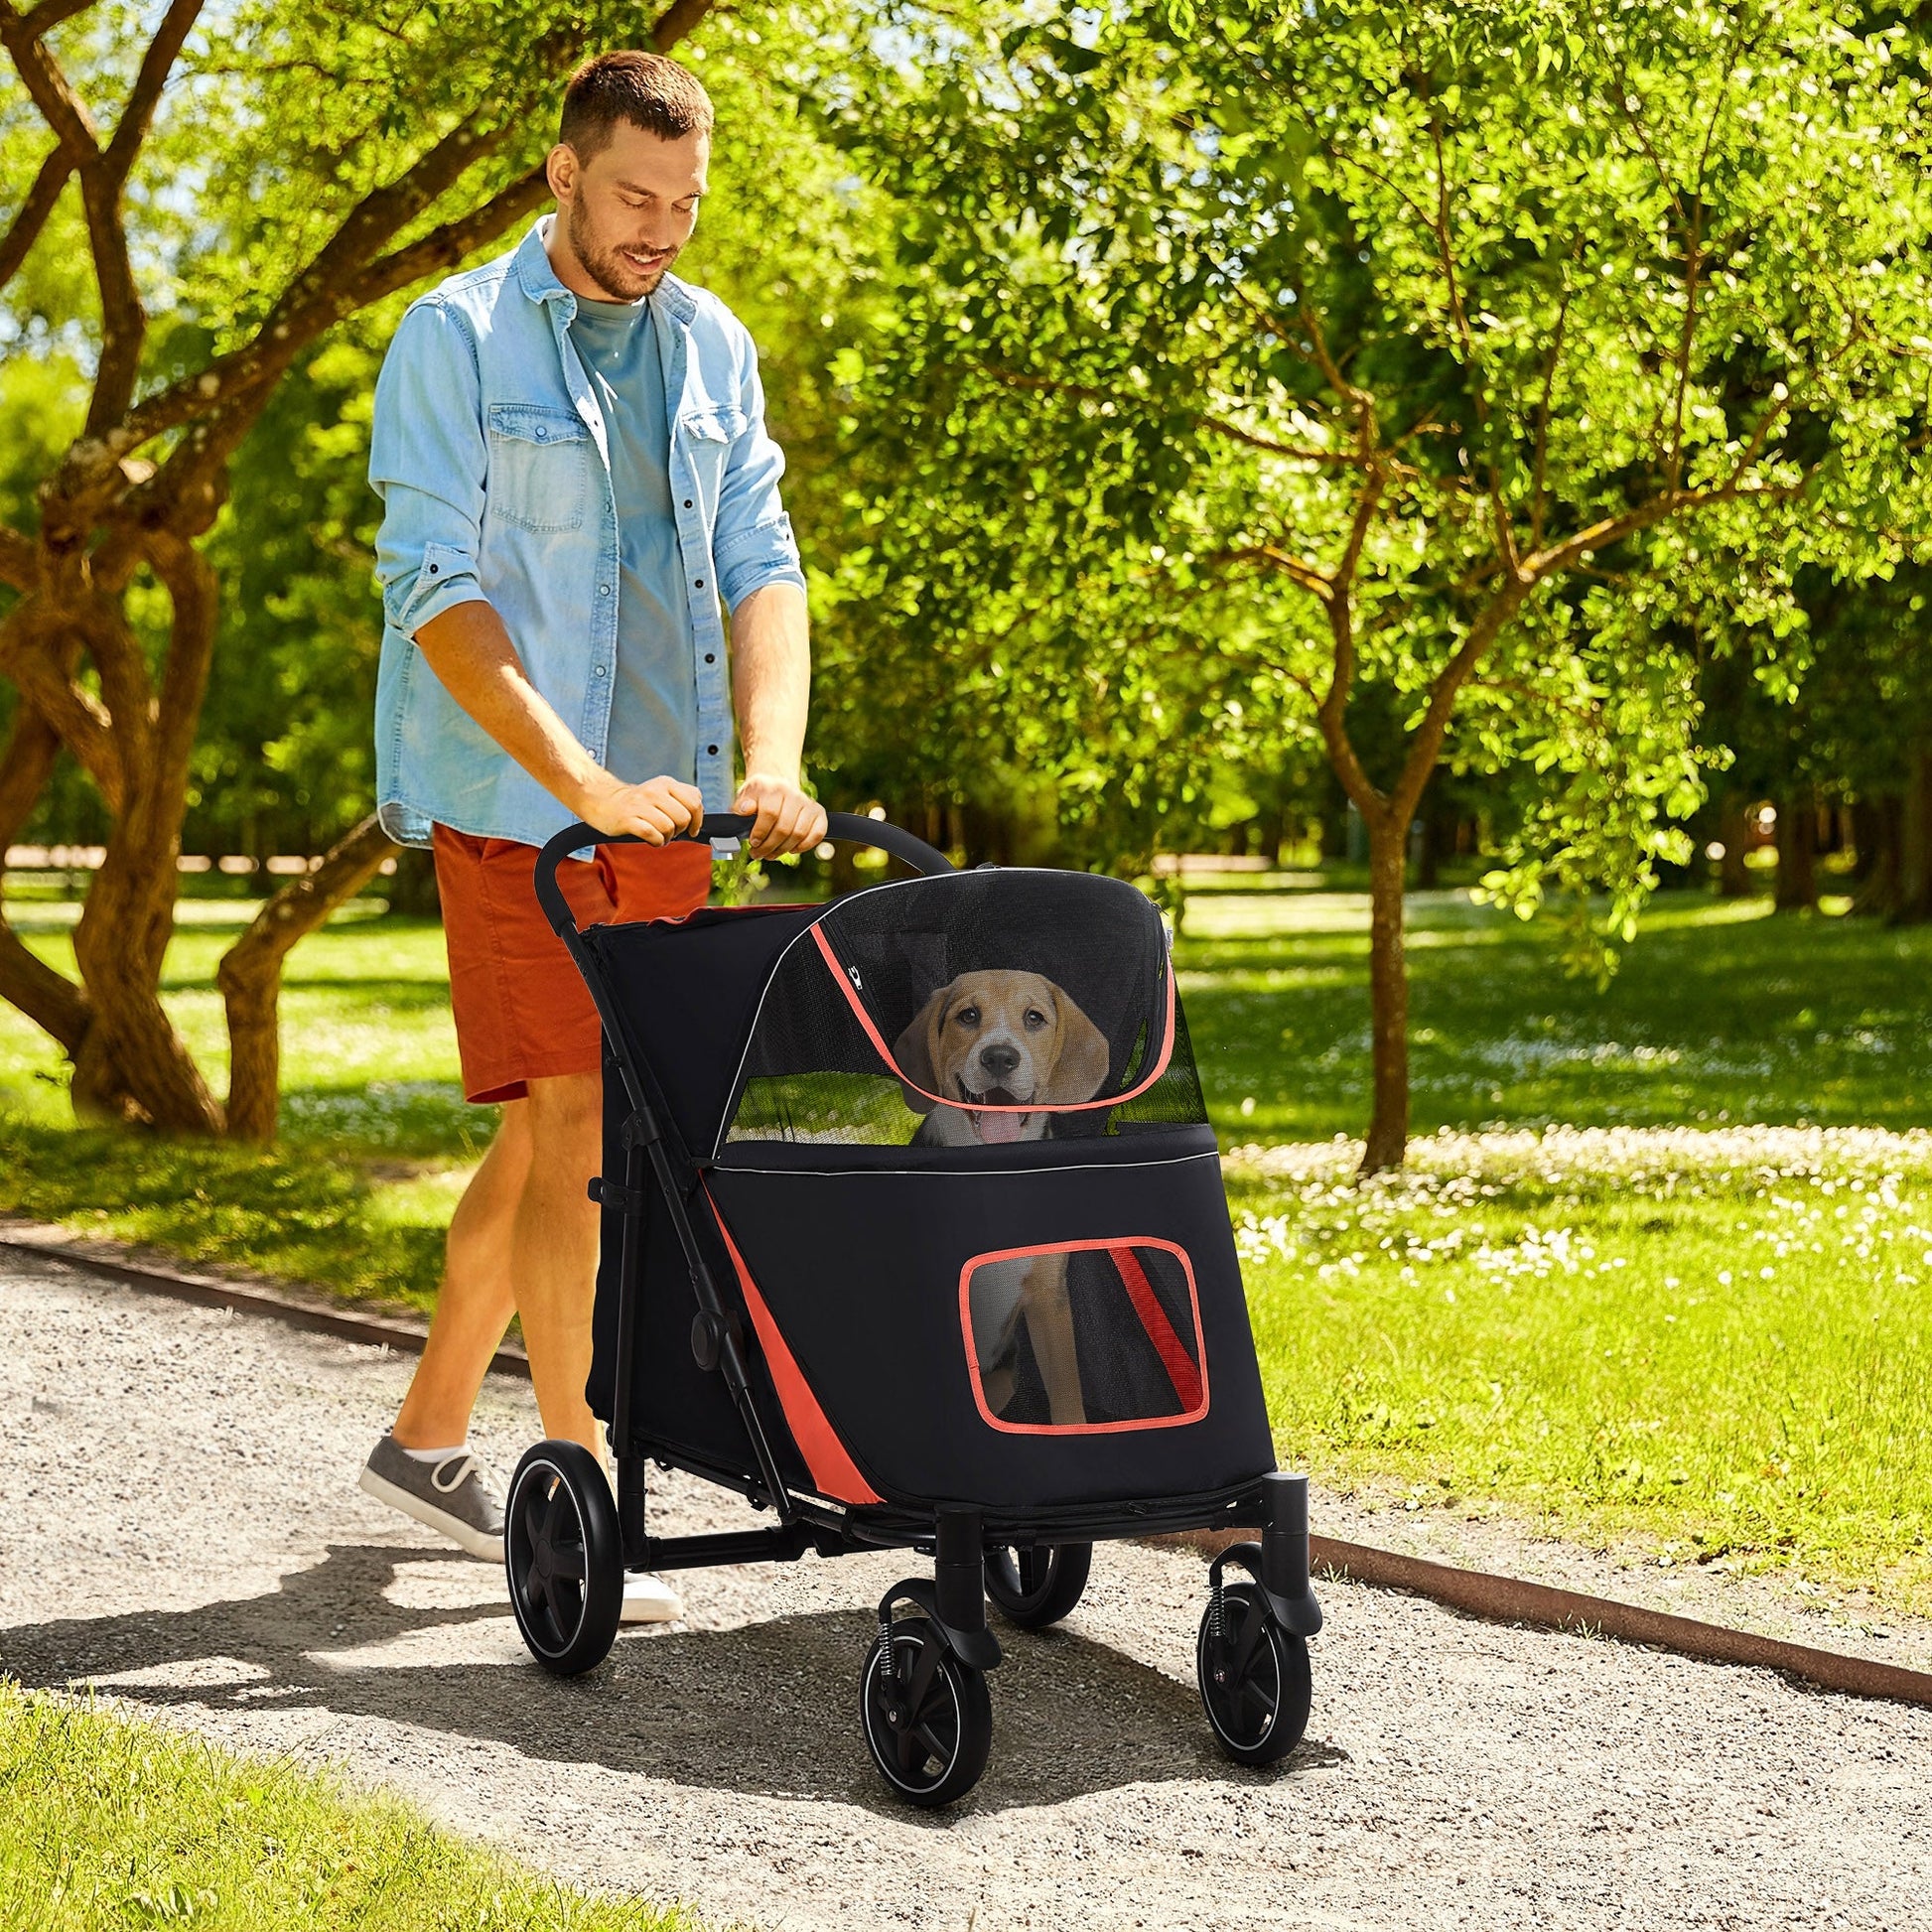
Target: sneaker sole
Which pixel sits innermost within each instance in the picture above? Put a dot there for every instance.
(464, 1535)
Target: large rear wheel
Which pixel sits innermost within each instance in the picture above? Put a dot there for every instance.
(564, 1557)
(1036, 1587)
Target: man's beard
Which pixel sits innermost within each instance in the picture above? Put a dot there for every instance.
(606, 266)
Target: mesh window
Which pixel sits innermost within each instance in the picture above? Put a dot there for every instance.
(1085, 1336)
(973, 1010)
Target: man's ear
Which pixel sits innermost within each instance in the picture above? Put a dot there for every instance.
(1081, 1066)
(914, 1051)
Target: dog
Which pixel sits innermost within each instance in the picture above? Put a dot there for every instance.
(1015, 1044)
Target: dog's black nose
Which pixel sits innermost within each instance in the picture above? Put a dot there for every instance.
(999, 1061)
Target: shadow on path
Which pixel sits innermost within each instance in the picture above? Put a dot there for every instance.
(770, 1708)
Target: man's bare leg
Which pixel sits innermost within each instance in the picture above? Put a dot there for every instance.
(477, 1297)
(553, 1249)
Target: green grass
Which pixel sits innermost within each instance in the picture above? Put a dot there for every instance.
(1720, 1012)
(110, 1824)
(1716, 1343)
(1574, 1329)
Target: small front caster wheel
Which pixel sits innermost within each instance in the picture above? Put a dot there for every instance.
(564, 1557)
(1254, 1678)
(929, 1723)
(1038, 1586)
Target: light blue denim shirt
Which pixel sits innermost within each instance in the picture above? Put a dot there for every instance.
(492, 458)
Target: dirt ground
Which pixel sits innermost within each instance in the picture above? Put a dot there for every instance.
(179, 1526)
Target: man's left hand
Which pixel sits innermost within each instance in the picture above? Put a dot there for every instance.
(787, 821)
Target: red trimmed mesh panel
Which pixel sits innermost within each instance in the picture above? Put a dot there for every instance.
(980, 1008)
(1090, 1335)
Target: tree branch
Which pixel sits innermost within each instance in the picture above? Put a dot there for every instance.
(1087, 392)
(156, 66)
(1308, 576)
(31, 217)
(50, 1000)
(250, 973)
(680, 18)
(48, 87)
(42, 672)
(43, 19)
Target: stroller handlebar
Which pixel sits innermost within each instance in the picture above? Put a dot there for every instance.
(847, 827)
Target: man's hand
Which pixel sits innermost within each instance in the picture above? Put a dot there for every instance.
(787, 821)
(656, 810)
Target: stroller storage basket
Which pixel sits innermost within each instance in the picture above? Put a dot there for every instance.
(914, 1232)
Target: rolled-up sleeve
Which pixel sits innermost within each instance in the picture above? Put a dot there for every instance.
(427, 461)
(753, 544)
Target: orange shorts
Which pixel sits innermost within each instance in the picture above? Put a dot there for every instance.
(523, 1009)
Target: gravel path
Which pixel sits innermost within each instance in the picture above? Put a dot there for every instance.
(180, 1527)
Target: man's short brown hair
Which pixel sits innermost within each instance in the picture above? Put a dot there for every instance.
(645, 89)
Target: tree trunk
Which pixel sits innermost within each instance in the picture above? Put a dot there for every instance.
(1914, 902)
(1388, 983)
(1797, 831)
(1878, 824)
(1734, 835)
(250, 974)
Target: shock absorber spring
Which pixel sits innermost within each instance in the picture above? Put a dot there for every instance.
(886, 1670)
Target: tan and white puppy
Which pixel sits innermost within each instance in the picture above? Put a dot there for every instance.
(1005, 1040)
(1015, 1044)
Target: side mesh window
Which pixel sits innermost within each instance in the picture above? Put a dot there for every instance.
(1085, 1335)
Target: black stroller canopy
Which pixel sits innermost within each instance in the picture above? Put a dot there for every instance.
(1027, 1001)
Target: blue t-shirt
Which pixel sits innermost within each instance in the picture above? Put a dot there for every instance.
(654, 704)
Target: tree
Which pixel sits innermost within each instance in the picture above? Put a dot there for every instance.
(269, 172)
(1472, 360)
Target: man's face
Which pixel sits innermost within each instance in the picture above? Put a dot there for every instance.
(631, 208)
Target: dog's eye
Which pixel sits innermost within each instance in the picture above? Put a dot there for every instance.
(1034, 1017)
(968, 1016)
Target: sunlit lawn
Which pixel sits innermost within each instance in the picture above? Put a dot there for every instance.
(1711, 1337)
(107, 1823)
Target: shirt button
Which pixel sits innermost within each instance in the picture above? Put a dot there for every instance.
(542, 434)
(687, 502)
(701, 583)
(711, 658)
(603, 589)
(600, 670)
(711, 748)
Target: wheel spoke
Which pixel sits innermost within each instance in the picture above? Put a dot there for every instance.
(920, 1690)
(555, 1515)
(1247, 1638)
(567, 1559)
(536, 1591)
(936, 1746)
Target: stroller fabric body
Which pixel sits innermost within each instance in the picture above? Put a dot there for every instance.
(859, 1246)
(920, 1240)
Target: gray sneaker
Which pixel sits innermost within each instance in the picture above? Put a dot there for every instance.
(453, 1495)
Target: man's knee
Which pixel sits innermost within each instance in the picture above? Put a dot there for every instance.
(566, 1122)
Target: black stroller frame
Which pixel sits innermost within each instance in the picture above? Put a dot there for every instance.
(925, 1706)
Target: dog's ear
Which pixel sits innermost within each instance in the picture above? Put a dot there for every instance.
(1081, 1067)
(914, 1051)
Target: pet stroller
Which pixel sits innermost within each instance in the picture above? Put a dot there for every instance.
(913, 1235)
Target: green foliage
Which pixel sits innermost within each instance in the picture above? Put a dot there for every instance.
(107, 1823)
(1417, 302)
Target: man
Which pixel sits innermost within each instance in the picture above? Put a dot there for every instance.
(570, 447)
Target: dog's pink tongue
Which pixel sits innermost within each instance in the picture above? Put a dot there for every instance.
(1001, 1127)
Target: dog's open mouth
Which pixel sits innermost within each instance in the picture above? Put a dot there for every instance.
(993, 1128)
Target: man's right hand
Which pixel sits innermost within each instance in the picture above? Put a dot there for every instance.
(656, 810)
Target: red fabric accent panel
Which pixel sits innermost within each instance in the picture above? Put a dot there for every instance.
(872, 1033)
(1174, 1358)
(834, 1473)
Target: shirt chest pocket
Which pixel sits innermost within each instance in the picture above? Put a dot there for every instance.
(539, 467)
(706, 437)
